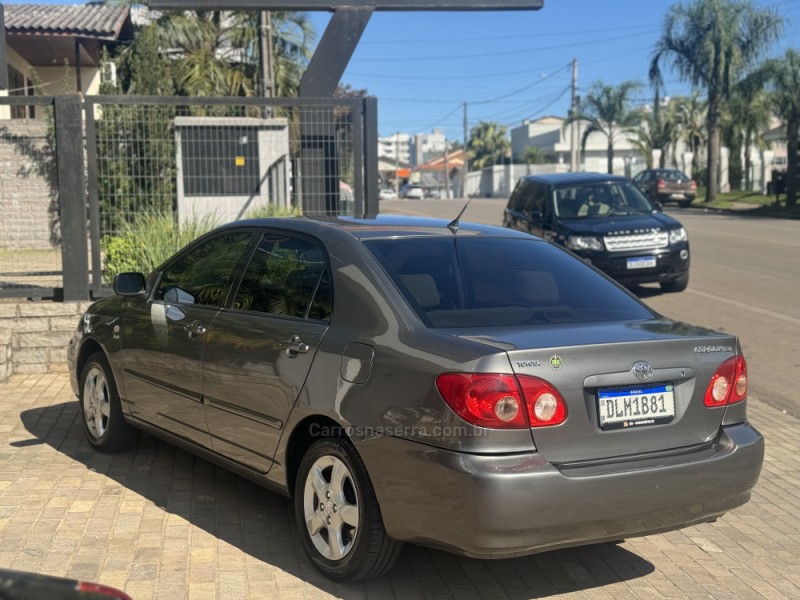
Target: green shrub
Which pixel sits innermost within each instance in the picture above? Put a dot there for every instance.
(271, 210)
(149, 241)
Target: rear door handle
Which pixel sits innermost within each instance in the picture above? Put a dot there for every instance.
(294, 346)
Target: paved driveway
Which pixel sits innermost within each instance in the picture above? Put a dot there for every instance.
(160, 523)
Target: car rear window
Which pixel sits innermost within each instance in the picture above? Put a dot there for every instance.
(484, 282)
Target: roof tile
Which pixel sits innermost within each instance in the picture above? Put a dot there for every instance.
(85, 20)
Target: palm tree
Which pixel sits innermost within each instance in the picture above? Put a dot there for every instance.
(488, 144)
(748, 116)
(785, 100)
(658, 129)
(607, 110)
(709, 42)
(691, 115)
(215, 53)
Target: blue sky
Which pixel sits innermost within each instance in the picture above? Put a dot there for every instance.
(508, 66)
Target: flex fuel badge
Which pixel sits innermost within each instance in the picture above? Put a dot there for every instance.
(555, 362)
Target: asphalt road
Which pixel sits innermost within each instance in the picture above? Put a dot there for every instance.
(745, 279)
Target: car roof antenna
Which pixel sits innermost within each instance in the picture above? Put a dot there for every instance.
(453, 225)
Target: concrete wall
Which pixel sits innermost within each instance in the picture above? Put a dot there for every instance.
(25, 193)
(34, 335)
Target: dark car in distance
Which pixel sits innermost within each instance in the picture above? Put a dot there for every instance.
(666, 185)
(460, 386)
(605, 220)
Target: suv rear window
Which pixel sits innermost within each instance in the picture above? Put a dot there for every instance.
(454, 282)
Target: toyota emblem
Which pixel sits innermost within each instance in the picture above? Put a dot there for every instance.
(642, 371)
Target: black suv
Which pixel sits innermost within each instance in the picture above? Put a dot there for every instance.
(608, 222)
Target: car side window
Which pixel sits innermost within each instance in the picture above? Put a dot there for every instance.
(202, 275)
(517, 200)
(287, 276)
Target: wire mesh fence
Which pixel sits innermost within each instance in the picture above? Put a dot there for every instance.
(159, 172)
(30, 231)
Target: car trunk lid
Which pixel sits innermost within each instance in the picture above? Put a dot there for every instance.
(630, 388)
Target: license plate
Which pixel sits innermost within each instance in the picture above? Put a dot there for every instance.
(678, 197)
(642, 262)
(626, 406)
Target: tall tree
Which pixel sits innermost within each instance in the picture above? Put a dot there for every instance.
(691, 115)
(786, 101)
(607, 110)
(215, 53)
(748, 116)
(488, 144)
(709, 43)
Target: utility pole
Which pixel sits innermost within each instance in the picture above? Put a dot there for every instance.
(574, 125)
(465, 168)
(397, 164)
(446, 172)
(265, 51)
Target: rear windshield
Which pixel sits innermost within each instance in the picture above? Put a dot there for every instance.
(487, 282)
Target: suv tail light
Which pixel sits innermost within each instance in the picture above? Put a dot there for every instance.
(502, 401)
(728, 384)
(661, 184)
(693, 184)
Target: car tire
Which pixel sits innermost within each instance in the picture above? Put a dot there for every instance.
(334, 501)
(101, 412)
(676, 285)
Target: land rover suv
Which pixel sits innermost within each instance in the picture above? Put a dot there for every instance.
(608, 222)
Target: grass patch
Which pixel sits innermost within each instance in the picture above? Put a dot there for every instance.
(732, 200)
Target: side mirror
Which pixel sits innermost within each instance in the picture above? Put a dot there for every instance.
(536, 215)
(658, 207)
(129, 284)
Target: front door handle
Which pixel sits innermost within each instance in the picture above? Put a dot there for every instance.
(194, 329)
(294, 346)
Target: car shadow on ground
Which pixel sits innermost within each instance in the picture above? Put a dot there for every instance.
(260, 524)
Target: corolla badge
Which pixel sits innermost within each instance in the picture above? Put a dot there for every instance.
(642, 371)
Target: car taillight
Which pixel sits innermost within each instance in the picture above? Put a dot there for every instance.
(693, 184)
(728, 384)
(661, 184)
(502, 401)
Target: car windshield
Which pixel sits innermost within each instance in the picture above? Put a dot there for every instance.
(600, 200)
(455, 282)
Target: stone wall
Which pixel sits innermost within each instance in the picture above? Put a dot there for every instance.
(34, 335)
(27, 196)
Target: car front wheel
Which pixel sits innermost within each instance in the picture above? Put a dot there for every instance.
(676, 285)
(338, 516)
(103, 423)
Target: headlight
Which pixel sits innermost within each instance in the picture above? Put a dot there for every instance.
(678, 235)
(584, 242)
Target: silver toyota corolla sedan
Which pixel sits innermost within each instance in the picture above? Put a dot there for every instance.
(465, 387)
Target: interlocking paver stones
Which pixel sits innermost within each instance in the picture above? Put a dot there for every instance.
(161, 523)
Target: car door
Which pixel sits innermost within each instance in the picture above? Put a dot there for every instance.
(537, 210)
(259, 351)
(162, 344)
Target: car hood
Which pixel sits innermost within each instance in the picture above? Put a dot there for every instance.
(619, 224)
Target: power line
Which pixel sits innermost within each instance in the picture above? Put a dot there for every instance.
(429, 58)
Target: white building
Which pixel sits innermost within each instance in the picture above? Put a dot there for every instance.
(426, 147)
(551, 135)
(395, 147)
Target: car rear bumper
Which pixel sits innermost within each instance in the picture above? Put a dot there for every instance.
(511, 505)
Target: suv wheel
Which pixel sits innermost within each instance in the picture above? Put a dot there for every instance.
(676, 285)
